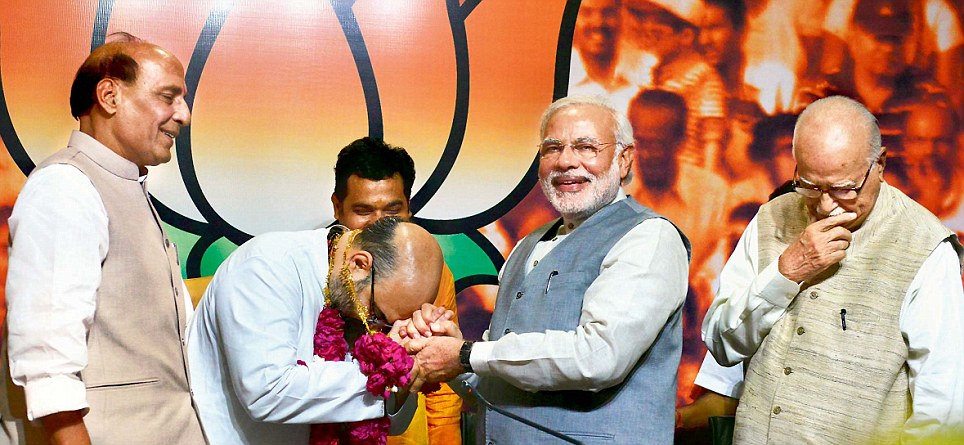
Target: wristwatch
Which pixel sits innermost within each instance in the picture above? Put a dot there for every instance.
(464, 354)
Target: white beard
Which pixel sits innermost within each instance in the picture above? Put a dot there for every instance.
(580, 205)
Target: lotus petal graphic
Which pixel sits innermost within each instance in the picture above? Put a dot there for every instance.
(276, 90)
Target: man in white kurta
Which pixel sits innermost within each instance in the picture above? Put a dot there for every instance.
(97, 308)
(257, 321)
(833, 324)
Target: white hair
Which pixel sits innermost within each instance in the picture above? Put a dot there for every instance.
(623, 132)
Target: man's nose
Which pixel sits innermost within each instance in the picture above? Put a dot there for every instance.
(567, 158)
(182, 114)
(826, 204)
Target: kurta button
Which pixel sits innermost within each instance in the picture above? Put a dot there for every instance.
(801, 330)
(776, 410)
(167, 242)
(507, 330)
(787, 370)
(813, 295)
(518, 295)
(535, 263)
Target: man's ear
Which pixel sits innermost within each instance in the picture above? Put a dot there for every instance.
(360, 264)
(106, 94)
(336, 206)
(883, 161)
(625, 159)
(407, 215)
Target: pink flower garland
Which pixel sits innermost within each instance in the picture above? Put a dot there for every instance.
(330, 341)
(384, 362)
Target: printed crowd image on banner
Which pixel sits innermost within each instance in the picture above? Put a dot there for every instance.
(711, 87)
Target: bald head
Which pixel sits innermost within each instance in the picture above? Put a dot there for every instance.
(416, 278)
(407, 263)
(836, 145)
(842, 120)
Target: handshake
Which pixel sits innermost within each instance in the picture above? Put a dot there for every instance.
(434, 341)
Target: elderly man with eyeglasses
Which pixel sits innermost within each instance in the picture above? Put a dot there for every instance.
(254, 344)
(585, 338)
(845, 300)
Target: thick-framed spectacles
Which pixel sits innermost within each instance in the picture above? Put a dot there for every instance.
(586, 149)
(841, 193)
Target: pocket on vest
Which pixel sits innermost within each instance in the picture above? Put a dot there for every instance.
(127, 412)
(127, 384)
(589, 436)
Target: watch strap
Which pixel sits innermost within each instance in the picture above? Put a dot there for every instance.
(464, 353)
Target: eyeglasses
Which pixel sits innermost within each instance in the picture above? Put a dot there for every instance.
(376, 319)
(840, 193)
(586, 149)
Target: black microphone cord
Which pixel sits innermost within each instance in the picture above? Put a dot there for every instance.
(478, 396)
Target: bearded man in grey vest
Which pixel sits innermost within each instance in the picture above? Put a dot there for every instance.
(585, 338)
(97, 307)
(845, 299)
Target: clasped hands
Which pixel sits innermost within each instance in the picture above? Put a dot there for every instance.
(434, 340)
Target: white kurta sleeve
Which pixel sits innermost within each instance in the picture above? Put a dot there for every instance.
(932, 322)
(60, 238)
(723, 380)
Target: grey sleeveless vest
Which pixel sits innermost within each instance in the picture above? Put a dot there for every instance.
(640, 409)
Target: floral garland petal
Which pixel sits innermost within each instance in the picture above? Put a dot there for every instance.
(330, 341)
(369, 432)
(384, 362)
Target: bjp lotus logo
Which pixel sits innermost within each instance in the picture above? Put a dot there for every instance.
(277, 88)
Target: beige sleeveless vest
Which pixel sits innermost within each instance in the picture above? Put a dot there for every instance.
(811, 381)
(137, 376)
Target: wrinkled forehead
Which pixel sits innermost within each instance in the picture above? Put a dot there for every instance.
(830, 138)
(829, 164)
